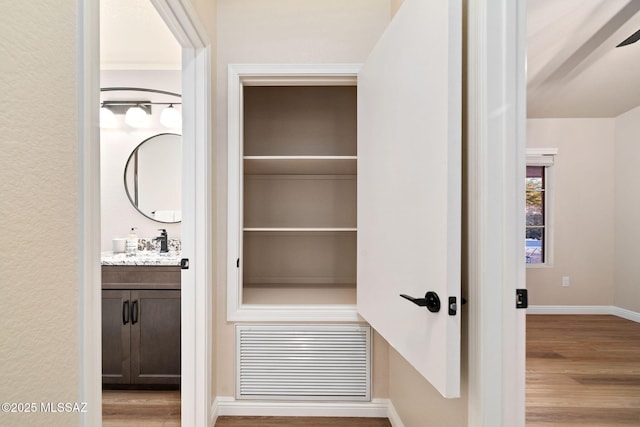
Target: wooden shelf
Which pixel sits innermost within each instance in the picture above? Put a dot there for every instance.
(300, 165)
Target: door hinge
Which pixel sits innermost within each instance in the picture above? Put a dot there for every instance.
(522, 298)
(238, 263)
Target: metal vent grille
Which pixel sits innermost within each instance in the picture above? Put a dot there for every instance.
(306, 362)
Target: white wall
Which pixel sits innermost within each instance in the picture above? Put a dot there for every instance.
(582, 205)
(39, 205)
(118, 214)
(627, 211)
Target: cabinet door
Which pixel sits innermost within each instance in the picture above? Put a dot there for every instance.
(409, 178)
(116, 334)
(155, 337)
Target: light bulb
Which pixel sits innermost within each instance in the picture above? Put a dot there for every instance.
(171, 117)
(107, 118)
(136, 117)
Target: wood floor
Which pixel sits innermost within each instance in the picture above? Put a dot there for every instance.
(140, 408)
(162, 409)
(301, 422)
(581, 371)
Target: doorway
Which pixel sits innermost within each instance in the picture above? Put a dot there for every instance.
(579, 103)
(196, 209)
(140, 72)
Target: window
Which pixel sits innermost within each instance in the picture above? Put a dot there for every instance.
(537, 207)
(535, 215)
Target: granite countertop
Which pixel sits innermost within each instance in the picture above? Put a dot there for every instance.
(141, 258)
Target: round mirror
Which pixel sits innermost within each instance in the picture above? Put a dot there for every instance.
(153, 178)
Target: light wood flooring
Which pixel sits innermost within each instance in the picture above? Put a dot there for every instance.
(140, 408)
(581, 371)
(301, 422)
(162, 409)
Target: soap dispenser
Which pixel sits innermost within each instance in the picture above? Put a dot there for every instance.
(132, 243)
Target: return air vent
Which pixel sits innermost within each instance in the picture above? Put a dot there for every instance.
(304, 362)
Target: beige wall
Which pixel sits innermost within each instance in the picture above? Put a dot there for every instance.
(582, 205)
(395, 5)
(39, 204)
(417, 402)
(627, 211)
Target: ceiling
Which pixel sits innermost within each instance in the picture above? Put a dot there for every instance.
(134, 37)
(573, 66)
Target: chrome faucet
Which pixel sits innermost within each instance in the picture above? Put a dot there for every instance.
(164, 240)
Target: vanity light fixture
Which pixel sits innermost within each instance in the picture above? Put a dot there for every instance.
(136, 117)
(107, 118)
(138, 112)
(171, 117)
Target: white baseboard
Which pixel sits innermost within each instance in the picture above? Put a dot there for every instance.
(626, 314)
(214, 412)
(584, 309)
(393, 416)
(377, 408)
(569, 309)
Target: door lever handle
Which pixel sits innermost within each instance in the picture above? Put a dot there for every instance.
(430, 300)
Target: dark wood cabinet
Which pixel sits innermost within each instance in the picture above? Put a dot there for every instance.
(116, 337)
(140, 325)
(155, 337)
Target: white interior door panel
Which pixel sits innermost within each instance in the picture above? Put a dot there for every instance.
(409, 187)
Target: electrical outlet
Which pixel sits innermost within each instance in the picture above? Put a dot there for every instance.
(565, 281)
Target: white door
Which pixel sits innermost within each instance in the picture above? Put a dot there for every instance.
(409, 180)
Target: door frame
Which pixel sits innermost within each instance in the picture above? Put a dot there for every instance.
(495, 219)
(196, 294)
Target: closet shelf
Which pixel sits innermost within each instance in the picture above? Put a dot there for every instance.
(300, 165)
(300, 229)
(300, 281)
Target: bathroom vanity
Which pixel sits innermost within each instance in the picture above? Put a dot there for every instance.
(140, 321)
